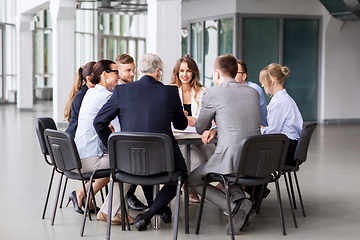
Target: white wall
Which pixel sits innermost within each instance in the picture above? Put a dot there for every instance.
(341, 75)
(31, 6)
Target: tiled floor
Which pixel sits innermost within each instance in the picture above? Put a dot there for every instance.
(329, 181)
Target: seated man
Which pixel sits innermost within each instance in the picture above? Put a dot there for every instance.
(235, 109)
(147, 105)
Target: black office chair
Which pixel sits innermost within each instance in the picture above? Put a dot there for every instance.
(300, 157)
(144, 159)
(40, 126)
(65, 156)
(260, 159)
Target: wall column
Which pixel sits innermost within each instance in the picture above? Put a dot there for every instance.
(63, 18)
(24, 62)
(164, 33)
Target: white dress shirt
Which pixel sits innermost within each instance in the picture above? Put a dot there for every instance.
(87, 141)
(283, 116)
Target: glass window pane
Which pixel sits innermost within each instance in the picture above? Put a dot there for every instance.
(197, 46)
(184, 41)
(111, 49)
(132, 48)
(211, 49)
(260, 45)
(226, 36)
(1, 64)
(301, 49)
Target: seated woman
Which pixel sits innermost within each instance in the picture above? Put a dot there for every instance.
(105, 77)
(283, 114)
(186, 78)
(81, 85)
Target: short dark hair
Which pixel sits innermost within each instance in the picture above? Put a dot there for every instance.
(243, 65)
(227, 64)
(98, 69)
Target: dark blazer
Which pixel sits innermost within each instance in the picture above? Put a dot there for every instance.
(146, 105)
(75, 108)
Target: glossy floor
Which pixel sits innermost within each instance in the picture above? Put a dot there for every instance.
(329, 181)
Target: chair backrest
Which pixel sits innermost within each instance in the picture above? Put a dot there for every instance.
(261, 155)
(304, 142)
(62, 150)
(40, 126)
(141, 153)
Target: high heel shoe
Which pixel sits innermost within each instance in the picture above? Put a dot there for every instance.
(92, 210)
(72, 197)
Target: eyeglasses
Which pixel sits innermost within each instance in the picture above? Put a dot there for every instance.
(241, 72)
(115, 71)
(161, 71)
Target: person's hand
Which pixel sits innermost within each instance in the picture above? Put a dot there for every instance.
(191, 121)
(262, 127)
(186, 113)
(213, 123)
(208, 135)
(111, 128)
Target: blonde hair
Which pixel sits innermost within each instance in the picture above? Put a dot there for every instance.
(275, 71)
(194, 83)
(80, 81)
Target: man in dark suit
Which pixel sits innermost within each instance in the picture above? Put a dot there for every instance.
(147, 105)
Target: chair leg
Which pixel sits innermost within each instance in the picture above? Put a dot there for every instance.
(56, 200)
(292, 190)
(86, 211)
(226, 185)
(108, 227)
(186, 202)
(260, 197)
(124, 215)
(48, 193)
(63, 194)
(84, 188)
(291, 206)
(298, 188)
(280, 207)
(177, 208)
(201, 206)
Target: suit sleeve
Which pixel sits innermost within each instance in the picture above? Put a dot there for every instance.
(179, 121)
(207, 114)
(103, 118)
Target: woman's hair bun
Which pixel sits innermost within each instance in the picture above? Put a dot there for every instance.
(285, 71)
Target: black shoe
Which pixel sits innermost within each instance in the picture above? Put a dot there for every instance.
(72, 197)
(92, 210)
(166, 216)
(135, 204)
(140, 223)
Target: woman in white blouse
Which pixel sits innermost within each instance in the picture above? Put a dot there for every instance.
(283, 114)
(186, 77)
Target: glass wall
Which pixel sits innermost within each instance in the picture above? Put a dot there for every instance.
(290, 42)
(184, 42)
(209, 39)
(7, 51)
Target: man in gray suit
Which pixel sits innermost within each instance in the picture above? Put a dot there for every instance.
(235, 109)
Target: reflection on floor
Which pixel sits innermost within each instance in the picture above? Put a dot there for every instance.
(329, 182)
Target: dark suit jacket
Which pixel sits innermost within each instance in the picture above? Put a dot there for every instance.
(146, 105)
(75, 108)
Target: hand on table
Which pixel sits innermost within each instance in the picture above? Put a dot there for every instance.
(208, 135)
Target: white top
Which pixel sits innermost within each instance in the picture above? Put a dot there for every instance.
(195, 106)
(87, 141)
(283, 116)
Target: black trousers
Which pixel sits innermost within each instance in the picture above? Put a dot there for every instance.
(159, 205)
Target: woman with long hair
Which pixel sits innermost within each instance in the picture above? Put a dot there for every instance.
(186, 77)
(81, 85)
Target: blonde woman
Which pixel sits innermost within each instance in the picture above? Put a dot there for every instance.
(186, 78)
(283, 113)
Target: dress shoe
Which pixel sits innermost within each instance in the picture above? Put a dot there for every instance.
(135, 204)
(166, 215)
(72, 197)
(239, 216)
(116, 220)
(140, 223)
